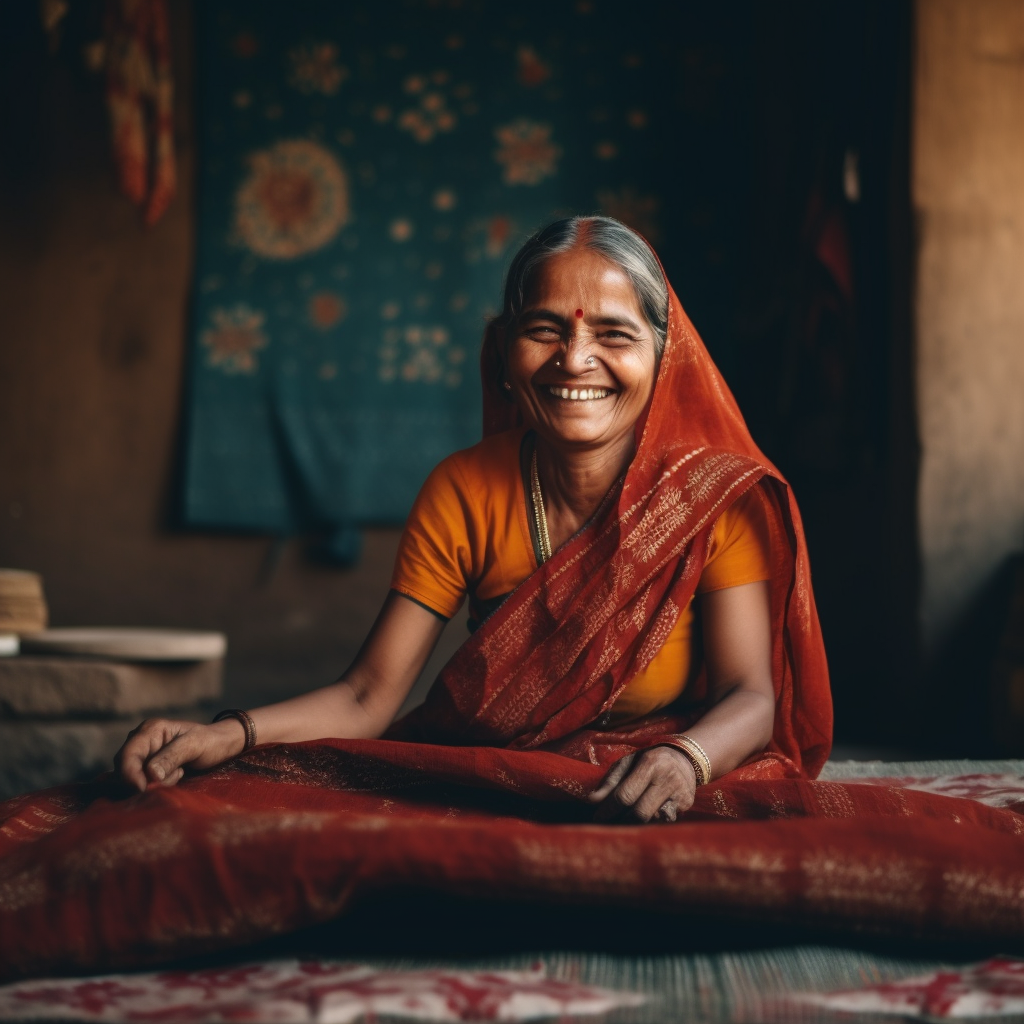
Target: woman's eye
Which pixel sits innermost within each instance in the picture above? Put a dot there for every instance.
(543, 333)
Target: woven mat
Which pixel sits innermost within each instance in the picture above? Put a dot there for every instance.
(808, 984)
(884, 769)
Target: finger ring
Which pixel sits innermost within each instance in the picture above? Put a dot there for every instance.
(668, 809)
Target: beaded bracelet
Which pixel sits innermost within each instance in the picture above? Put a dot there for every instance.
(247, 724)
(695, 754)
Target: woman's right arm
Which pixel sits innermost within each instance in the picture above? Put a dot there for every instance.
(361, 704)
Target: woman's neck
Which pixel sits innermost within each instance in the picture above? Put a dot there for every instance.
(574, 482)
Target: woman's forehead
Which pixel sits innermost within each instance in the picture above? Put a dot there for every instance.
(581, 279)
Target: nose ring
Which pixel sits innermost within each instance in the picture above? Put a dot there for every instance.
(558, 362)
(591, 360)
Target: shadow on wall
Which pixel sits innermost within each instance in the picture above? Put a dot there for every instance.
(975, 675)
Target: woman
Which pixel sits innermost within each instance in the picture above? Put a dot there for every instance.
(616, 483)
(643, 621)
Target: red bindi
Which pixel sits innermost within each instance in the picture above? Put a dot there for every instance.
(579, 314)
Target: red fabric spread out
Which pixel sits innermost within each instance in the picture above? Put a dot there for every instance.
(288, 836)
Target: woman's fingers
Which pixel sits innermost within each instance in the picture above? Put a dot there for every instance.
(157, 752)
(613, 778)
(627, 791)
(142, 742)
(168, 765)
(653, 798)
(128, 761)
(659, 783)
(173, 779)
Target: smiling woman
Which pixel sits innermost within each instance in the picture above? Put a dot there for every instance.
(578, 350)
(643, 625)
(618, 485)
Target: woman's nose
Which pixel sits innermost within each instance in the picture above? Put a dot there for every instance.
(576, 358)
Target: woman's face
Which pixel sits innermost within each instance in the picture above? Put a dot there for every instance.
(581, 358)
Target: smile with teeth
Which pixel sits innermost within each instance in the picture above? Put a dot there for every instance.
(580, 394)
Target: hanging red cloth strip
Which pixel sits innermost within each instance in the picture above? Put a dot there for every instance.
(140, 98)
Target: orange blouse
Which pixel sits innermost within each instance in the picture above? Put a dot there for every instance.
(469, 533)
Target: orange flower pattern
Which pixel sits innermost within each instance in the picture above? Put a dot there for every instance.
(315, 68)
(526, 152)
(432, 113)
(327, 309)
(294, 201)
(234, 339)
(532, 71)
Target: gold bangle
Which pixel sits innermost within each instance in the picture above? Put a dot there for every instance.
(696, 748)
(695, 754)
(247, 724)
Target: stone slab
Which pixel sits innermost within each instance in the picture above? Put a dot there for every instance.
(37, 755)
(57, 687)
(127, 643)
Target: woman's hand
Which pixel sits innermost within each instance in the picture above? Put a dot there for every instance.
(361, 704)
(657, 783)
(158, 751)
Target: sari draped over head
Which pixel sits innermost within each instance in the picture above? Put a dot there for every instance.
(543, 669)
(478, 794)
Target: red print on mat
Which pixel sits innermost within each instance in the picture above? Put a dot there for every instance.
(990, 789)
(994, 988)
(294, 992)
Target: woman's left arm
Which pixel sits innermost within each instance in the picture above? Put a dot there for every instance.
(739, 720)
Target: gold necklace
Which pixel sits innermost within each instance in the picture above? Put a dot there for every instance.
(540, 516)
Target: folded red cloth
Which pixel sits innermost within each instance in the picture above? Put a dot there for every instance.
(288, 836)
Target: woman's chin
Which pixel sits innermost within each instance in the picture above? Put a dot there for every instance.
(579, 431)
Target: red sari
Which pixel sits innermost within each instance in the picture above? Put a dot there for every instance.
(541, 671)
(480, 792)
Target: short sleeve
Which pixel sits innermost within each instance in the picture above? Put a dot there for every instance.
(433, 558)
(740, 547)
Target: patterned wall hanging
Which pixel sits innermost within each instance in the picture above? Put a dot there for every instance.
(365, 174)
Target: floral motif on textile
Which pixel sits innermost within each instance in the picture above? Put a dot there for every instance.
(294, 201)
(234, 338)
(526, 152)
(315, 68)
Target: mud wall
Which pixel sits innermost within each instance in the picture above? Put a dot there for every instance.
(968, 195)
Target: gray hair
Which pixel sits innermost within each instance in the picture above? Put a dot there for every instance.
(613, 240)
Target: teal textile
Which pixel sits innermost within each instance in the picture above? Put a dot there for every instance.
(365, 173)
